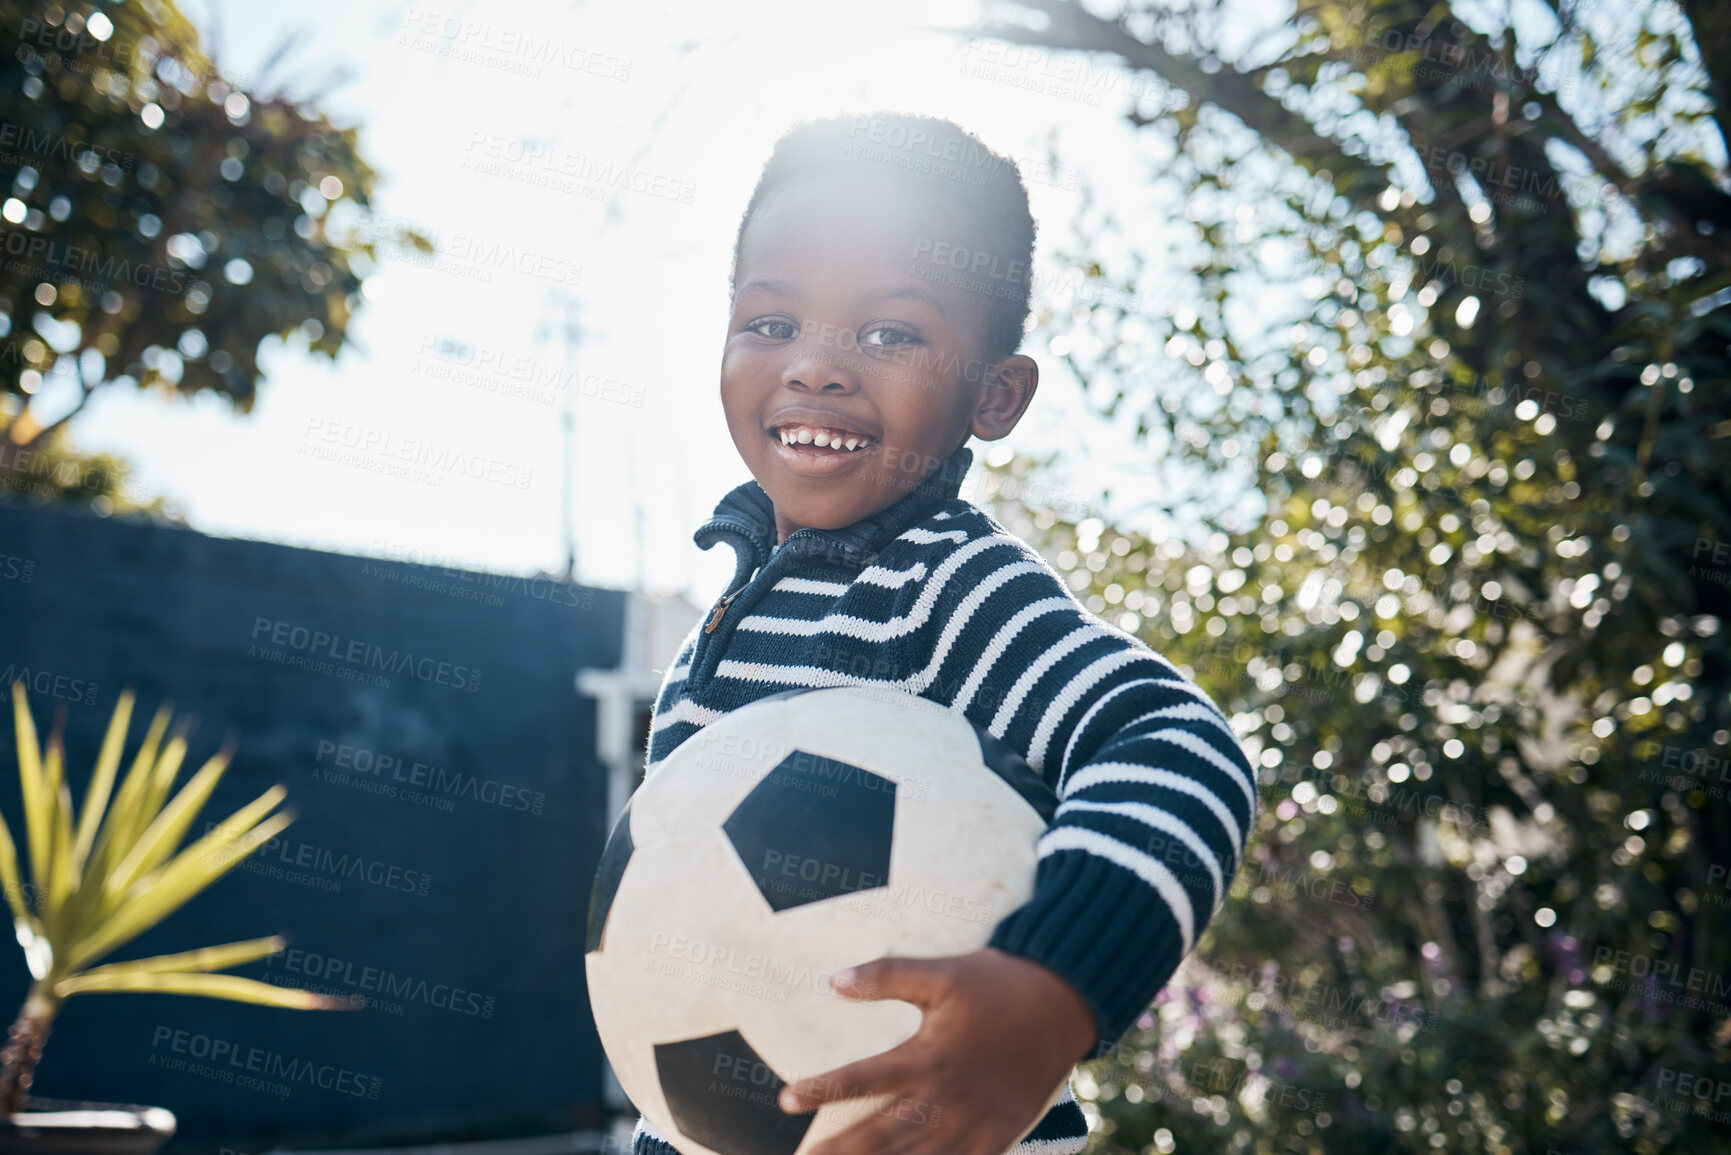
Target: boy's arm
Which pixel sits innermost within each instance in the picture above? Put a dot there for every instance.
(1156, 796)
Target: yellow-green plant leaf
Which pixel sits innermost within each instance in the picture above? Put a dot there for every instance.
(210, 958)
(9, 874)
(157, 787)
(114, 837)
(102, 781)
(163, 891)
(231, 987)
(59, 882)
(163, 835)
(37, 824)
(61, 877)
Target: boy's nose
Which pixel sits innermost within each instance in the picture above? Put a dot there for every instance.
(821, 374)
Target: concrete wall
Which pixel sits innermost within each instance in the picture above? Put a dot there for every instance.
(451, 811)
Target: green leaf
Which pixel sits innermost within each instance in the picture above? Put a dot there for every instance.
(210, 958)
(163, 835)
(157, 787)
(9, 874)
(230, 987)
(38, 823)
(62, 876)
(102, 781)
(115, 837)
(163, 891)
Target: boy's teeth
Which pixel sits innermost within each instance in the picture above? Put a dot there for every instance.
(823, 438)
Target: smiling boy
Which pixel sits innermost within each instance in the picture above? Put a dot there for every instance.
(861, 354)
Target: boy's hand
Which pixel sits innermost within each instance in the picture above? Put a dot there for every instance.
(997, 1034)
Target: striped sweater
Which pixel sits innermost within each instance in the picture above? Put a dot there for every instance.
(934, 597)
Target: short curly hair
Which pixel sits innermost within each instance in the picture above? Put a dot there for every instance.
(929, 155)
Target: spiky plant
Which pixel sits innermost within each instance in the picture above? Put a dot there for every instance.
(101, 880)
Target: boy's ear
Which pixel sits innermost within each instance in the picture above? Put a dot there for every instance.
(1010, 385)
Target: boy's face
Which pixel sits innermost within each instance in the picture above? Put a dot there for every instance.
(833, 331)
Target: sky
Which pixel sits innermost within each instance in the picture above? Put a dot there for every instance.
(494, 153)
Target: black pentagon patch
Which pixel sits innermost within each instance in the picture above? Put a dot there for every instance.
(614, 856)
(723, 1095)
(1002, 760)
(815, 828)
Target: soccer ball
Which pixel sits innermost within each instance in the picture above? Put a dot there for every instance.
(807, 832)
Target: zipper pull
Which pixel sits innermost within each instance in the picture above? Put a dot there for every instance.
(720, 608)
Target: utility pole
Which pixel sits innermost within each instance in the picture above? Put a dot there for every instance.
(639, 539)
(573, 333)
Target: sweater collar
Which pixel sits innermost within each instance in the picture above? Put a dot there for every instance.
(746, 517)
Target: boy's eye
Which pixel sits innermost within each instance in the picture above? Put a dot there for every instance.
(773, 328)
(889, 337)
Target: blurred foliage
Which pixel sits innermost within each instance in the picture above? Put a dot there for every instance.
(1449, 290)
(51, 471)
(160, 218)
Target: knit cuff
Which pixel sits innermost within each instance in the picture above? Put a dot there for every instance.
(643, 1143)
(1104, 931)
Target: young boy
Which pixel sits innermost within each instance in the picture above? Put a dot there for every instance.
(880, 288)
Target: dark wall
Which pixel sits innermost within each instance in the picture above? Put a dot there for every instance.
(450, 816)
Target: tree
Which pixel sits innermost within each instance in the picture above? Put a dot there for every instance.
(53, 471)
(161, 220)
(1456, 306)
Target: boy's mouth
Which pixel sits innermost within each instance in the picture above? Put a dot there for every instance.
(799, 435)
